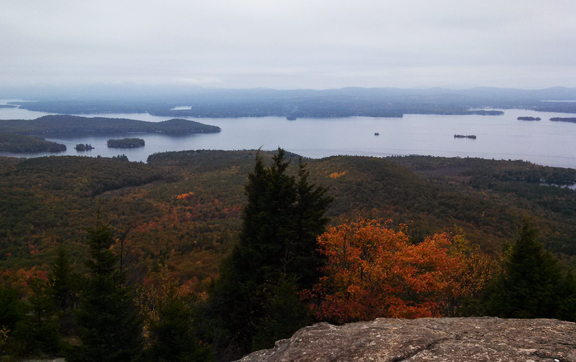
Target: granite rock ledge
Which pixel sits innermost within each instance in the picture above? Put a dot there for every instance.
(429, 339)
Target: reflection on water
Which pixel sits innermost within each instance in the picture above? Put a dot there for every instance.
(498, 137)
(572, 187)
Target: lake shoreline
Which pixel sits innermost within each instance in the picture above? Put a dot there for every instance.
(499, 137)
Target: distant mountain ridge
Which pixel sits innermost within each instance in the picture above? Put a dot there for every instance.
(300, 103)
(104, 93)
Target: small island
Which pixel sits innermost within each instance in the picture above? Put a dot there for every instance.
(126, 143)
(528, 118)
(83, 147)
(291, 118)
(563, 119)
(482, 112)
(471, 136)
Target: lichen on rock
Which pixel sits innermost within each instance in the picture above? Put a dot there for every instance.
(428, 339)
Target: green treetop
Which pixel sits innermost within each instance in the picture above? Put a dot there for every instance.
(108, 321)
(277, 246)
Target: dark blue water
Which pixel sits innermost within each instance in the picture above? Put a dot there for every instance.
(499, 137)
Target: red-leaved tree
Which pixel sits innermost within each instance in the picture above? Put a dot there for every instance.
(373, 270)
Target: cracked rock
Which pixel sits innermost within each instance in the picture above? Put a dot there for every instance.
(429, 339)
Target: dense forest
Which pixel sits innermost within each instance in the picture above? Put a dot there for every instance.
(189, 231)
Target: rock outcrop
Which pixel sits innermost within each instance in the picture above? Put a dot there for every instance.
(429, 339)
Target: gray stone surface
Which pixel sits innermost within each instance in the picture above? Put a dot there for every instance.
(429, 339)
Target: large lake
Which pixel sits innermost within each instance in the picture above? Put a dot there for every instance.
(499, 137)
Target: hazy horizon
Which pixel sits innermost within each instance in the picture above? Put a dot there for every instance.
(313, 44)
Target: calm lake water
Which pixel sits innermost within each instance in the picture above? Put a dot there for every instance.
(499, 137)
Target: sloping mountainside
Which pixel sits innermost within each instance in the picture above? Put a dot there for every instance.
(183, 209)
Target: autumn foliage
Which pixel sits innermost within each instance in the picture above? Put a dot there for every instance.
(373, 270)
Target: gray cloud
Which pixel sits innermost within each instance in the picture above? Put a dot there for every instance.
(290, 44)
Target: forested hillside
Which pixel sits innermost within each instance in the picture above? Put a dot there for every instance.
(183, 208)
(172, 224)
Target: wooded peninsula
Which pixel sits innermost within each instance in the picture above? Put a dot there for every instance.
(20, 136)
(93, 125)
(17, 143)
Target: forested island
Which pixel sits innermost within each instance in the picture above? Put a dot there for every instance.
(529, 118)
(20, 136)
(563, 119)
(83, 147)
(126, 143)
(233, 250)
(487, 112)
(16, 143)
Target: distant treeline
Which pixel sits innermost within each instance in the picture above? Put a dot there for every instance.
(322, 106)
(305, 103)
(313, 108)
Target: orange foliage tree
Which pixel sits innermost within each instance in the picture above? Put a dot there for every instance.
(373, 270)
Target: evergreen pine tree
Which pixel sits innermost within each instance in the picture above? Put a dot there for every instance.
(172, 335)
(280, 222)
(63, 288)
(567, 308)
(109, 325)
(283, 315)
(37, 334)
(12, 308)
(530, 285)
(310, 221)
(12, 312)
(61, 280)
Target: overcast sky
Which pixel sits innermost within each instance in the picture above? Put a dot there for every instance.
(290, 44)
